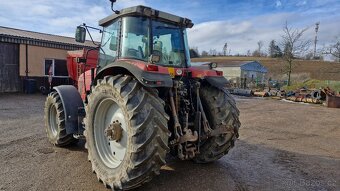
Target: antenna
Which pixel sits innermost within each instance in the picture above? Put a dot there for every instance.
(115, 11)
(316, 37)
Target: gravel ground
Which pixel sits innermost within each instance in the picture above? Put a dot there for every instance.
(282, 146)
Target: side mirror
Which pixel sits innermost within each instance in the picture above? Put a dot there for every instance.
(80, 34)
(113, 43)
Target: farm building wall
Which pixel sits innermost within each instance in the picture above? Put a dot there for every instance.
(26, 55)
(244, 74)
(254, 76)
(36, 59)
(231, 73)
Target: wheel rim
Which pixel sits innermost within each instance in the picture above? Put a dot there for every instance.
(110, 152)
(53, 125)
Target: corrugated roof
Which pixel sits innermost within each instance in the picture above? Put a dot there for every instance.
(233, 63)
(254, 66)
(12, 32)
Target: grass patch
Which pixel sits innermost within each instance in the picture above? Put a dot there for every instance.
(314, 84)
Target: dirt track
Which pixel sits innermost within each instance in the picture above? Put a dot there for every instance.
(282, 146)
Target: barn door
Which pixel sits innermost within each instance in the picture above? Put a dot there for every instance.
(9, 68)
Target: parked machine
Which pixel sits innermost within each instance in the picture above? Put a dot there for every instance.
(142, 100)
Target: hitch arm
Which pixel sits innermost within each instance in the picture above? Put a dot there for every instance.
(205, 122)
(177, 126)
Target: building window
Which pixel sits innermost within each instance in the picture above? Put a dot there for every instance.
(57, 67)
(48, 65)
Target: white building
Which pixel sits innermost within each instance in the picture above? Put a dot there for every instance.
(242, 73)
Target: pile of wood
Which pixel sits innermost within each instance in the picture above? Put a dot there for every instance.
(270, 92)
(316, 96)
(324, 96)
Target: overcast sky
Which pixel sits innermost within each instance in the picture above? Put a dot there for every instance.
(240, 23)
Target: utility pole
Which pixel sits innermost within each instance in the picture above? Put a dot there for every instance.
(316, 38)
(225, 49)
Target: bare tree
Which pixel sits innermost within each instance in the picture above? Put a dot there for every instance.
(212, 52)
(256, 53)
(294, 47)
(259, 45)
(194, 53)
(204, 53)
(274, 50)
(248, 53)
(335, 50)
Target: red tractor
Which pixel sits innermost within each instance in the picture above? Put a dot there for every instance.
(142, 100)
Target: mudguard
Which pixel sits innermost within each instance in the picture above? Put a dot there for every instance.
(71, 101)
(217, 81)
(148, 79)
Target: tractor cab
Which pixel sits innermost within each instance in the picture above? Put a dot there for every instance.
(144, 34)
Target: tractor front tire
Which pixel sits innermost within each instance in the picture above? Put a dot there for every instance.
(221, 111)
(55, 121)
(126, 132)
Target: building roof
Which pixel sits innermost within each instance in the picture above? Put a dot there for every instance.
(13, 35)
(233, 63)
(244, 65)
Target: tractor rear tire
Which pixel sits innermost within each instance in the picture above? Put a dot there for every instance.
(55, 121)
(139, 150)
(221, 110)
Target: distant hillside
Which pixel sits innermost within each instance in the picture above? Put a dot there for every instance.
(320, 70)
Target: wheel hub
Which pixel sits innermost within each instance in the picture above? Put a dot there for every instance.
(114, 131)
(110, 132)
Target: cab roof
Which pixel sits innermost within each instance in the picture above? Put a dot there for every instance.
(141, 10)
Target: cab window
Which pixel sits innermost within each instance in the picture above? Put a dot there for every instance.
(168, 42)
(109, 44)
(135, 38)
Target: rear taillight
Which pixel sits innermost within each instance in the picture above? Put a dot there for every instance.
(219, 73)
(152, 68)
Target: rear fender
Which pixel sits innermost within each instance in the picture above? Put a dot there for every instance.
(72, 102)
(217, 81)
(148, 79)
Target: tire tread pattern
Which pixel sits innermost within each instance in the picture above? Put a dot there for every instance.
(149, 138)
(62, 139)
(221, 109)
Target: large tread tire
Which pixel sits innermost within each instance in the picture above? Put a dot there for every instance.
(220, 108)
(147, 132)
(55, 121)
